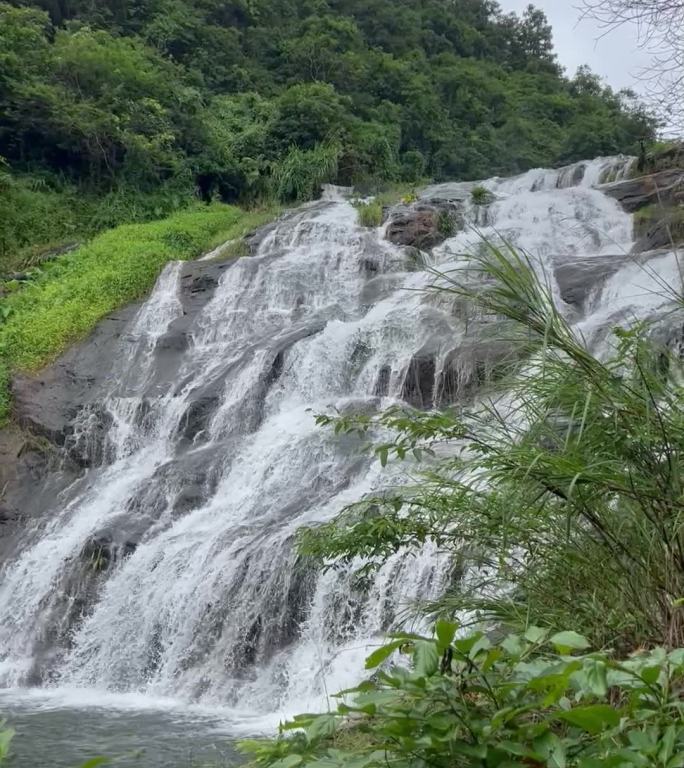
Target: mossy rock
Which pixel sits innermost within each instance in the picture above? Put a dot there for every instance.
(657, 226)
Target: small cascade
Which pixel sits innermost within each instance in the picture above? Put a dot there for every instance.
(168, 567)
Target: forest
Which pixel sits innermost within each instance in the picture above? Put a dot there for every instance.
(125, 110)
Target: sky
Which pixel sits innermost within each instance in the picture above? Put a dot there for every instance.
(615, 56)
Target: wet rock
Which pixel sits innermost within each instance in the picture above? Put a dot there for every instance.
(276, 368)
(656, 227)
(383, 382)
(86, 443)
(47, 403)
(197, 285)
(670, 156)
(419, 382)
(197, 417)
(370, 266)
(174, 341)
(579, 278)
(423, 225)
(664, 188)
(472, 366)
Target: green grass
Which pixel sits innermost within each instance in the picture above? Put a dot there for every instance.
(71, 294)
(481, 195)
(370, 214)
(39, 215)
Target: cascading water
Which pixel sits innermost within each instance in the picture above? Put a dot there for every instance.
(168, 568)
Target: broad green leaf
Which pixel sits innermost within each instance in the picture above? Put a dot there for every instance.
(483, 644)
(381, 654)
(592, 719)
(651, 674)
(569, 641)
(552, 750)
(6, 736)
(512, 645)
(290, 761)
(382, 455)
(536, 634)
(95, 761)
(667, 743)
(426, 658)
(445, 631)
(321, 726)
(595, 672)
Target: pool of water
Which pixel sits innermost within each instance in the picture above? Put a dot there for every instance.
(64, 731)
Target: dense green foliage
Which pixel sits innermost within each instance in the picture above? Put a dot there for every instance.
(65, 298)
(262, 98)
(570, 493)
(533, 699)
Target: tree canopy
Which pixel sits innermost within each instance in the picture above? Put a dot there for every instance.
(219, 94)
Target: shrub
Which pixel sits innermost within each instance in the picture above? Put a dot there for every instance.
(532, 699)
(300, 174)
(370, 214)
(446, 225)
(572, 501)
(481, 195)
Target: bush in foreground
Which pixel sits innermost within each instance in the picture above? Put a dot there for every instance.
(533, 699)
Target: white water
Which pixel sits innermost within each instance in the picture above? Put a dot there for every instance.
(211, 605)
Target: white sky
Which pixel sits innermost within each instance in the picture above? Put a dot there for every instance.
(615, 56)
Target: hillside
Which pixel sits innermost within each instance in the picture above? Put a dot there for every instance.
(123, 110)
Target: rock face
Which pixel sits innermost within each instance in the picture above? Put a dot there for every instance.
(657, 201)
(59, 427)
(423, 224)
(656, 227)
(664, 188)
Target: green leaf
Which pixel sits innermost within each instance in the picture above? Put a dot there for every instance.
(384, 652)
(596, 676)
(536, 634)
(6, 736)
(667, 743)
(592, 719)
(426, 658)
(650, 675)
(570, 640)
(382, 455)
(445, 631)
(290, 761)
(321, 727)
(95, 761)
(512, 645)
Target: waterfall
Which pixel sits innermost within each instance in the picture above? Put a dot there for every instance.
(168, 567)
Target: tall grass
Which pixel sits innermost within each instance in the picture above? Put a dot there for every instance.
(40, 214)
(370, 214)
(571, 494)
(299, 175)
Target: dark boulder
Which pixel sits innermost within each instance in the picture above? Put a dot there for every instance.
(197, 417)
(383, 382)
(423, 225)
(419, 382)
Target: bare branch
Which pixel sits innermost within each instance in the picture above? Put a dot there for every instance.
(660, 25)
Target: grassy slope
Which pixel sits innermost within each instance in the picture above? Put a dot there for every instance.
(76, 291)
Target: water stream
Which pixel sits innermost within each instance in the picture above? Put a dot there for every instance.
(166, 572)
